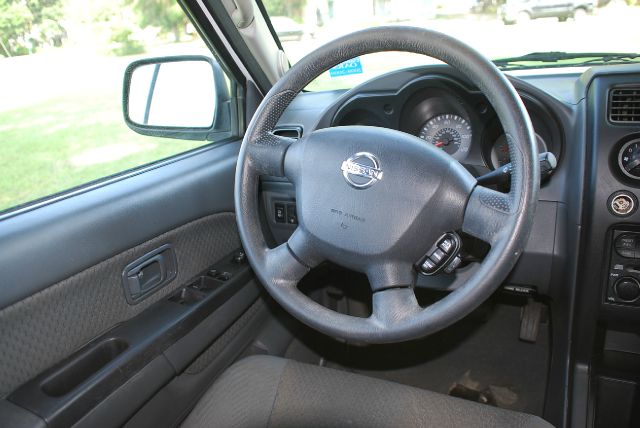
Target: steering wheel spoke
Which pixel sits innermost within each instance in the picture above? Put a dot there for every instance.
(487, 214)
(289, 262)
(393, 306)
(385, 275)
(267, 154)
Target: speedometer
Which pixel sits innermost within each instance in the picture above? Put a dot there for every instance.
(448, 132)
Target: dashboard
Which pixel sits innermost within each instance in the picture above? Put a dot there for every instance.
(441, 107)
(598, 160)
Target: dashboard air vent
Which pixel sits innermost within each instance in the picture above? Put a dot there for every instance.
(294, 132)
(624, 104)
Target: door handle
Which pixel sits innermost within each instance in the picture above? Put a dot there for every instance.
(149, 273)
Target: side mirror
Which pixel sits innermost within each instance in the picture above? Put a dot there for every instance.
(185, 97)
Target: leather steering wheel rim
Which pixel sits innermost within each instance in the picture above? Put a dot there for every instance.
(423, 179)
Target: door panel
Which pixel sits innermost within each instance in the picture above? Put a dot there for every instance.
(61, 283)
(46, 327)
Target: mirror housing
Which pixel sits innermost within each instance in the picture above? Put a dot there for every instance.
(184, 97)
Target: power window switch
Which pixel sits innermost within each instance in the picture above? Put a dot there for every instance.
(438, 256)
(280, 213)
(428, 266)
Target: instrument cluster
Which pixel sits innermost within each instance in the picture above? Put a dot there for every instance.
(453, 117)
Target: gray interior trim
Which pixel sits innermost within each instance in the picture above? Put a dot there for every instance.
(47, 245)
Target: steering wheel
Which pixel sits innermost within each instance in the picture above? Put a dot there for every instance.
(376, 200)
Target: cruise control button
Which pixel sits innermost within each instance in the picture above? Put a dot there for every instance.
(453, 265)
(428, 266)
(438, 255)
(446, 245)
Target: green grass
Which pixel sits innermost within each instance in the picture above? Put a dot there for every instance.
(62, 143)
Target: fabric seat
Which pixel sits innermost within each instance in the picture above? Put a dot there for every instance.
(274, 392)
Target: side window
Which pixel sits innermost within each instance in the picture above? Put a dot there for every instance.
(62, 66)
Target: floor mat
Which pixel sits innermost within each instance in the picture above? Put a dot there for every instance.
(483, 349)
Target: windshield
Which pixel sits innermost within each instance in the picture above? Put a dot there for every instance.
(496, 28)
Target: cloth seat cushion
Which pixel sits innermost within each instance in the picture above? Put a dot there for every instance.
(264, 391)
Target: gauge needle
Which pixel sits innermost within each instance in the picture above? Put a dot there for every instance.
(439, 144)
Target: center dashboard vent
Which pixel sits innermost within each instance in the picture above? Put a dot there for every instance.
(624, 104)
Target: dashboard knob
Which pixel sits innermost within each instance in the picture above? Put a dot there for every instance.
(627, 289)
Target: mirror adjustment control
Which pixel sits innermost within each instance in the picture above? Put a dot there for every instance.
(442, 256)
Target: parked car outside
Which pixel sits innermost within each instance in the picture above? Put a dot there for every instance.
(518, 11)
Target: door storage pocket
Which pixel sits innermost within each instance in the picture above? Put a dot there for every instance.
(83, 366)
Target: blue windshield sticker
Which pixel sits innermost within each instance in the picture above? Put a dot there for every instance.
(352, 66)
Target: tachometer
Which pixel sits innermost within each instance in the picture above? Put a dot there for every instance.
(500, 150)
(448, 132)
